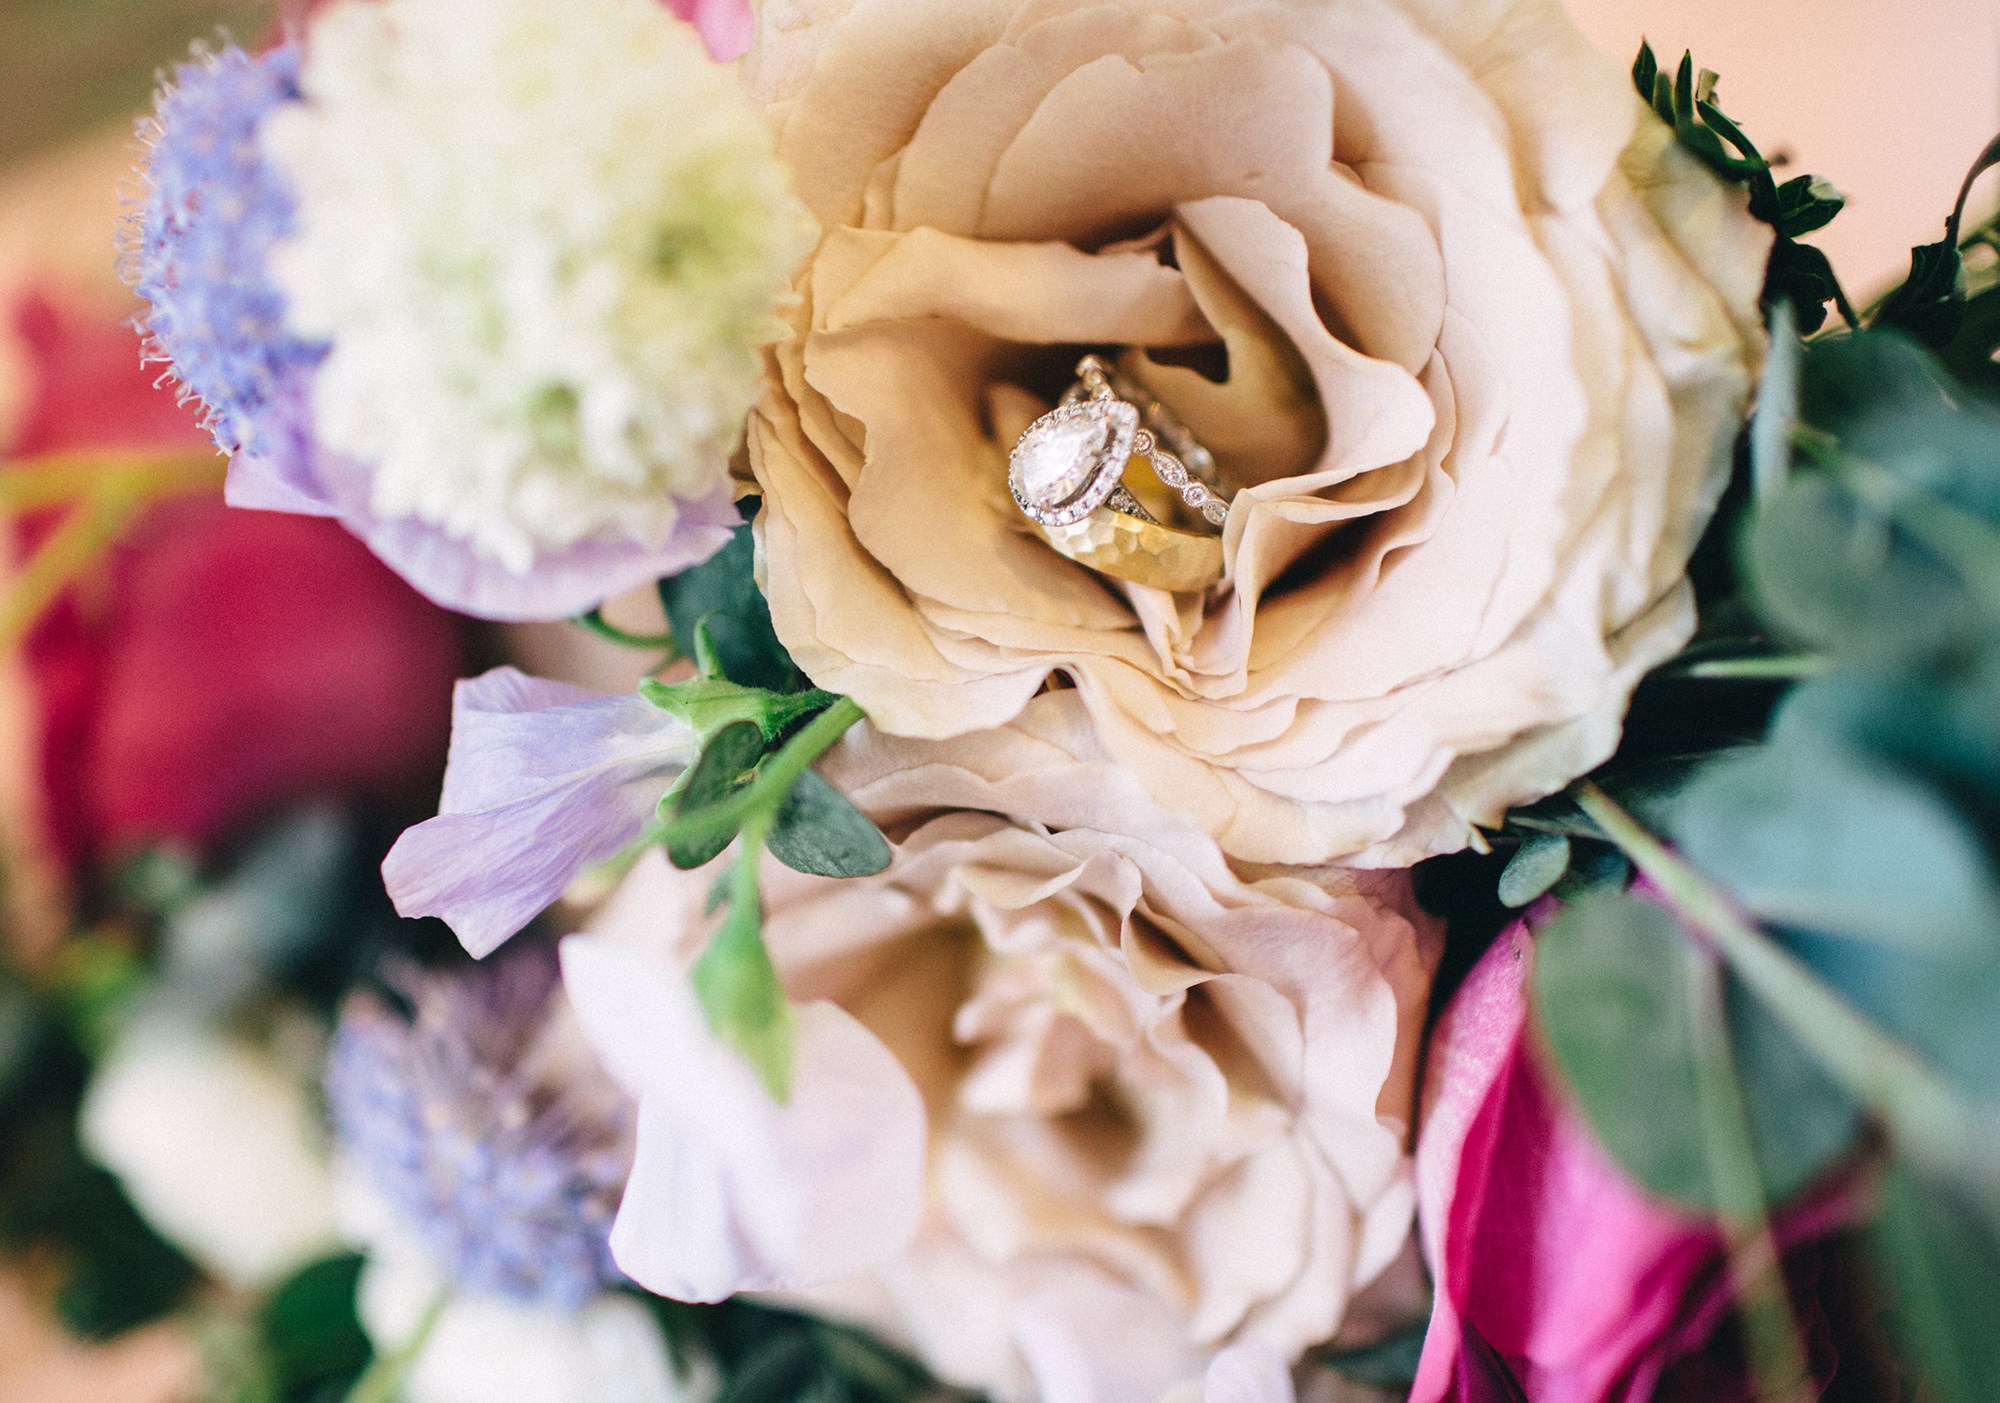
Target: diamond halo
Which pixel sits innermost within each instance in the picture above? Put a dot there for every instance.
(1071, 459)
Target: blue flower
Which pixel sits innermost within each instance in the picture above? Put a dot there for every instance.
(501, 1146)
(198, 249)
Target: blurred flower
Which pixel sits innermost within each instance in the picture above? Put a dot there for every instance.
(482, 1119)
(1558, 1280)
(1077, 1106)
(544, 314)
(490, 1349)
(217, 1142)
(229, 662)
(199, 244)
(544, 780)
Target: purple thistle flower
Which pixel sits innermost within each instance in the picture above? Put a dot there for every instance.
(481, 1118)
(198, 247)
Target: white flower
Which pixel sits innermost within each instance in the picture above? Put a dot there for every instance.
(486, 1349)
(545, 238)
(217, 1143)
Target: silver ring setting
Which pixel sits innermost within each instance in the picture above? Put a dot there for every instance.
(1070, 462)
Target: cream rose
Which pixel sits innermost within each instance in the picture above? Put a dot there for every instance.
(1163, 1107)
(1471, 332)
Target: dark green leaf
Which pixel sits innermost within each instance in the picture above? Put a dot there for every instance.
(739, 991)
(820, 832)
(1645, 71)
(1807, 203)
(725, 761)
(309, 1326)
(1537, 865)
(722, 594)
(1929, 305)
(1611, 982)
(1810, 834)
(1388, 1363)
(1802, 275)
(1942, 1264)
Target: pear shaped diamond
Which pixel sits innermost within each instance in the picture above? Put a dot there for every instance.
(1070, 459)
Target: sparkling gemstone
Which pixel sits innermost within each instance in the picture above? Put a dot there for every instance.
(1170, 473)
(1069, 460)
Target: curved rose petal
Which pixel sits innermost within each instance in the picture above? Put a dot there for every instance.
(731, 1191)
(1248, 1373)
(724, 25)
(544, 780)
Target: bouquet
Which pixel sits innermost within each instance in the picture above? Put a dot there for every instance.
(1309, 715)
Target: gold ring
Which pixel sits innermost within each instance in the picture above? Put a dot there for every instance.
(1067, 476)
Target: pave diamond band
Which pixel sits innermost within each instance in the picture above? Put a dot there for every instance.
(1066, 475)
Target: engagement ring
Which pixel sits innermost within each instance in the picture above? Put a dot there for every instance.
(1067, 475)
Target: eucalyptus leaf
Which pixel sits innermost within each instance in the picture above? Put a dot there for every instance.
(1814, 835)
(724, 762)
(1801, 1121)
(1537, 865)
(1941, 1258)
(310, 1330)
(721, 593)
(1610, 981)
(739, 990)
(1593, 864)
(1614, 981)
(818, 831)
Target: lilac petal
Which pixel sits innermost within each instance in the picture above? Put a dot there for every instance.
(291, 473)
(543, 781)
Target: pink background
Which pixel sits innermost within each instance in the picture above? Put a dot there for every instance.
(1889, 99)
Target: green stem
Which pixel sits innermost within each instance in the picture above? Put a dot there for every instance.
(1770, 1329)
(32, 483)
(1922, 1112)
(67, 554)
(382, 1381)
(773, 781)
(1775, 667)
(596, 623)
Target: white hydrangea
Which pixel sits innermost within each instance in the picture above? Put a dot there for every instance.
(545, 238)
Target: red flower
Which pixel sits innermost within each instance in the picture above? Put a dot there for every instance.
(225, 662)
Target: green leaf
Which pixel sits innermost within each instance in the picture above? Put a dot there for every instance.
(310, 1331)
(708, 704)
(1942, 1263)
(1593, 864)
(1810, 834)
(1807, 203)
(721, 593)
(739, 989)
(1646, 71)
(1614, 984)
(1388, 1363)
(1610, 982)
(1929, 304)
(1538, 864)
(1802, 275)
(724, 763)
(820, 832)
(1800, 1119)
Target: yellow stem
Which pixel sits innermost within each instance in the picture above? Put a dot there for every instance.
(54, 478)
